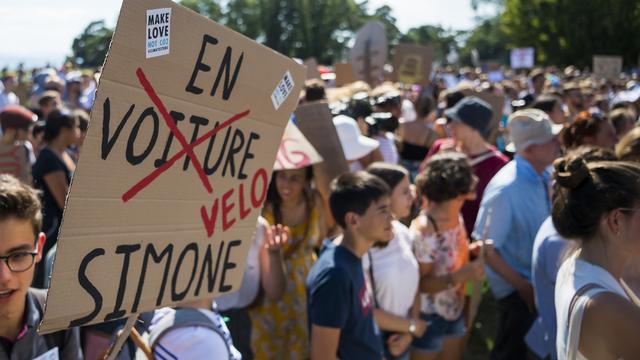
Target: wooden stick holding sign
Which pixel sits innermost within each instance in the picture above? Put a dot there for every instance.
(630, 293)
(476, 295)
(121, 338)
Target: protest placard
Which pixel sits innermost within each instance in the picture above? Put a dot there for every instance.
(522, 58)
(312, 68)
(369, 53)
(607, 67)
(344, 73)
(295, 151)
(316, 123)
(174, 169)
(412, 64)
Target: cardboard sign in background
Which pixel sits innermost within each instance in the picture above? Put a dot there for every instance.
(295, 151)
(178, 153)
(608, 67)
(412, 63)
(369, 53)
(312, 68)
(316, 123)
(344, 73)
(522, 58)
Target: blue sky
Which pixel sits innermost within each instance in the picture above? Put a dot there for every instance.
(37, 31)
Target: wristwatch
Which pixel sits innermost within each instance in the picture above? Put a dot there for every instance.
(412, 327)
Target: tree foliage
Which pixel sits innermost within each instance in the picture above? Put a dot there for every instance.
(90, 48)
(490, 40)
(443, 41)
(569, 32)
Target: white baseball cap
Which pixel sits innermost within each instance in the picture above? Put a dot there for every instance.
(354, 144)
(530, 127)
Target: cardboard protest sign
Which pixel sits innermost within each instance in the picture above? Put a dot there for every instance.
(316, 123)
(295, 151)
(522, 58)
(174, 169)
(369, 53)
(412, 64)
(497, 106)
(608, 67)
(312, 68)
(344, 73)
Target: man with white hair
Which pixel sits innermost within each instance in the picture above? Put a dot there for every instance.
(515, 203)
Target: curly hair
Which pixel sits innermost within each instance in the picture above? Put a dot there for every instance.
(446, 176)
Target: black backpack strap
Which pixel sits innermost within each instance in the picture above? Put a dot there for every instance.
(373, 280)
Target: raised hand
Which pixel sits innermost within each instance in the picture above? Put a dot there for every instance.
(276, 237)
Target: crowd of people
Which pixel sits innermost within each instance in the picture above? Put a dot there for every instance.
(439, 199)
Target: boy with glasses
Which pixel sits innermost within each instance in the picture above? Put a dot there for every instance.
(21, 307)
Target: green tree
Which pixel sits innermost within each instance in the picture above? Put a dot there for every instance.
(208, 8)
(569, 32)
(90, 48)
(442, 41)
(490, 40)
(299, 28)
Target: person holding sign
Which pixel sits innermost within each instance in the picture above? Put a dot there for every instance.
(340, 306)
(597, 206)
(21, 307)
(279, 326)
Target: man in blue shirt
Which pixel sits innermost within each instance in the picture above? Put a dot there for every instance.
(340, 307)
(515, 203)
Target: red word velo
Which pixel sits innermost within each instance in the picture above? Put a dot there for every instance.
(257, 195)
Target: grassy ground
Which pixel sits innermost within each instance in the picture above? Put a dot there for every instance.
(484, 327)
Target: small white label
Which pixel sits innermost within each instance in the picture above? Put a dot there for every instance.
(49, 355)
(158, 32)
(282, 91)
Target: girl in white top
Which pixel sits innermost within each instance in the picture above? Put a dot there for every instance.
(598, 205)
(391, 270)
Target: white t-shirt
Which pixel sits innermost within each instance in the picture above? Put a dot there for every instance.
(573, 275)
(194, 342)
(388, 148)
(395, 271)
(251, 278)
(7, 99)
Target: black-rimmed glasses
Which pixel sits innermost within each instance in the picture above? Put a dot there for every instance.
(20, 261)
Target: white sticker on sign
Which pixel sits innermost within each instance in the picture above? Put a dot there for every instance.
(49, 355)
(282, 91)
(158, 32)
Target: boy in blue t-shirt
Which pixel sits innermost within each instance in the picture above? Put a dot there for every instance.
(340, 307)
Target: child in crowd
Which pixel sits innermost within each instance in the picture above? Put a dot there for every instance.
(392, 270)
(442, 249)
(340, 307)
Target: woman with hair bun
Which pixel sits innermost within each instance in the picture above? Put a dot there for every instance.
(597, 205)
